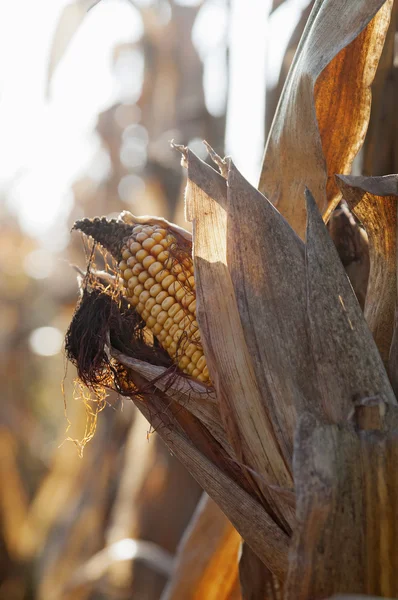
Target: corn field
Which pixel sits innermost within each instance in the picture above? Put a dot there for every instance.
(227, 424)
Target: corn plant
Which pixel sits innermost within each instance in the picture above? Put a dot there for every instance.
(245, 346)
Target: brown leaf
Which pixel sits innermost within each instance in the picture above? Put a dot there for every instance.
(374, 201)
(249, 518)
(267, 266)
(347, 488)
(207, 559)
(327, 93)
(257, 583)
(348, 363)
(246, 421)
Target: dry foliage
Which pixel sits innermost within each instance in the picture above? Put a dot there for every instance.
(295, 437)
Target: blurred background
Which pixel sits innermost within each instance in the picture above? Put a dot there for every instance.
(91, 93)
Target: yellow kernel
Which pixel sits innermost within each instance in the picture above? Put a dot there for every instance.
(162, 317)
(195, 373)
(181, 293)
(156, 309)
(162, 256)
(157, 237)
(122, 265)
(177, 335)
(192, 306)
(137, 269)
(150, 321)
(201, 363)
(178, 316)
(126, 254)
(184, 362)
(140, 307)
(131, 262)
(206, 373)
(133, 281)
(155, 268)
(173, 329)
(168, 302)
(162, 231)
(143, 276)
(155, 289)
(156, 249)
(172, 349)
(165, 243)
(173, 310)
(190, 368)
(168, 323)
(174, 287)
(137, 229)
(162, 336)
(140, 237)
(127, 274)
(138, 289)
(196, 356)
(157, 328)
(190, 349)
(148, 261)
(148, 229)
(161, 296)
(149, 304)
(135, 247)
(133, 300)
(167, 281)
(144, 296)
(191, 281)
(186, 300)
(185, 322)
(202, 377)
(145, 314)
(141, 254)
(148, 244)
(149, 283)
(167, 341)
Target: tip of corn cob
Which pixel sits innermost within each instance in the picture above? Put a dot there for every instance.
(111, 234)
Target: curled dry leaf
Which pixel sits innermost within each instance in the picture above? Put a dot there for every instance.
(207, 558)
(374, 201)
(327, 92)
(245, 415)
(348, 363)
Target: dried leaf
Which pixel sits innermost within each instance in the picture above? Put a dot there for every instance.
(347, 487)
(193, 395)
(257, 583)
(249, 518)
(207, 560)
(266, 261)
(245, 419)
(347, 360)
(70, 20)
(374, 201)
(327, 92)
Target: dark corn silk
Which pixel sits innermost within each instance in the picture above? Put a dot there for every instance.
(159, 283)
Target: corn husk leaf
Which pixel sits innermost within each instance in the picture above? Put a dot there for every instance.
(197, 398)
(207, 559)
(374, 201)
(190, 443)
(348, 363)
(343, 479)
(327, 92)
(267, 265)
(245, 417)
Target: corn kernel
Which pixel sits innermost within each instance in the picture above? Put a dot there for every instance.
(155, 268)
(132, 282)
(148, 244)
(162, 316)
(150, 304)
(168, 302)
(156, 309)
(141, 254)
(167, 281)
(151, 322)
(126, 254)
(140, 237)
(143, 276)
(137, 269)
(122, 265)
(149, 283)
(144, 296)
(135, 247)
(196, 356)
(201, 363)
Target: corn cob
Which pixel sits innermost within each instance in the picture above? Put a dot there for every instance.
(159, 282)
